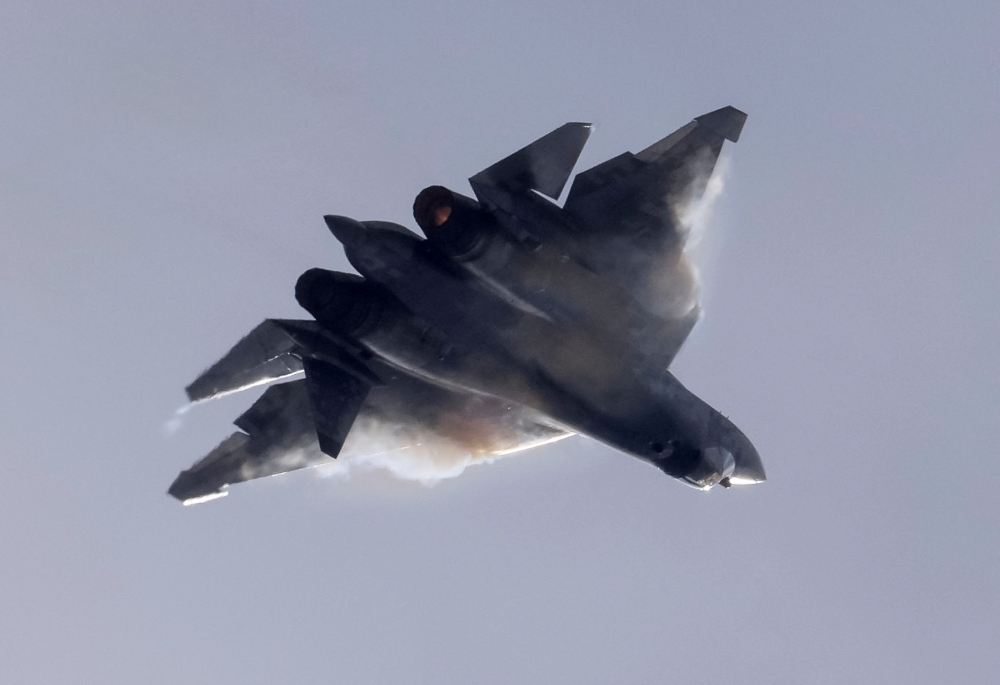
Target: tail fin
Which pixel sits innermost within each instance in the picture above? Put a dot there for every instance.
(544, 165)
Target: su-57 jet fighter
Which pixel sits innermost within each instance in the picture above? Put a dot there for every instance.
(512, 322)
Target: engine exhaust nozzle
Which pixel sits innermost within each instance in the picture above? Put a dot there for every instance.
(344, 303)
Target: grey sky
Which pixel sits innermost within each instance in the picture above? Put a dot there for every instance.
(163, 174)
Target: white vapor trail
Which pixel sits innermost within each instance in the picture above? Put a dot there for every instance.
(173, 424)
(414, 453)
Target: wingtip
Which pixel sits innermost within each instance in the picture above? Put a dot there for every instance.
(727, 122)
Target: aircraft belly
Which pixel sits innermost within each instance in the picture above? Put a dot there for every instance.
(516, 322)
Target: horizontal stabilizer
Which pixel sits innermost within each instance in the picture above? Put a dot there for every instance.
(264, 355)
(544, 165)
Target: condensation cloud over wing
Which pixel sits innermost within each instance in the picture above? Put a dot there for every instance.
(639, 213)
(416, 430)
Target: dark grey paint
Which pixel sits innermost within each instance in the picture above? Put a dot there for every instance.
(510, 297)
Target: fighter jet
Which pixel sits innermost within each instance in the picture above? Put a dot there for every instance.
(511, 322)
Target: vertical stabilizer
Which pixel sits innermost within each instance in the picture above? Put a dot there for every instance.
(544, 165)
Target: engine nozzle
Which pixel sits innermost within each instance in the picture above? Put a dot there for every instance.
(344, 303)
(458, 225)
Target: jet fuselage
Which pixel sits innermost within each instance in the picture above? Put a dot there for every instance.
(581, 373)
(514, 322)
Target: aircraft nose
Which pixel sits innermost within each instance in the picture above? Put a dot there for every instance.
(344, 229)
(749, 468)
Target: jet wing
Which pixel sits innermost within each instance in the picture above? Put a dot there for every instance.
(279, 437)
(279, 433)
(630, 214)
(639, 195)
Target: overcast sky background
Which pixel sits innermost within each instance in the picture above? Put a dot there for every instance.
(163, 174)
